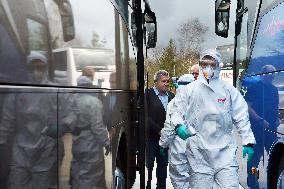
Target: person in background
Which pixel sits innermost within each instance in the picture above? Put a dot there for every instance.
(178, 165)
(112, 80)
(88, 72)
(204, 113)
(157, 99)
(194, 70)
(87, 169)
(25, 115)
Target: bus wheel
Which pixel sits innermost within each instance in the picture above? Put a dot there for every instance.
(119, 179)
(280, 180)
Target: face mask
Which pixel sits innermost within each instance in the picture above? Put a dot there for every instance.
(208, 72)
(38, 75)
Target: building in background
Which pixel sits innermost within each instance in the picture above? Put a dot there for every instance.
(227, 57)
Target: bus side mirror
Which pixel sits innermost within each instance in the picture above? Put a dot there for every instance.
(222, 15)
(150, 29)
(67, 20)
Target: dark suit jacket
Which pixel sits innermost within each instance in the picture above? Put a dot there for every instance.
(156, 113)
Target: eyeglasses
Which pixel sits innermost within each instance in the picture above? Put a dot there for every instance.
(195, 73)
(205, 63)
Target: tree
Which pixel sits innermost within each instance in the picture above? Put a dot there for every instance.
(164, 60)
(191, 36)
(178, 57)
(96, 41)
(76, 42)
(168, 58)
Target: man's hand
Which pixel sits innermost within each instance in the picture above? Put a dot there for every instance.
(182, 132)
(163, 151)
(248, 150)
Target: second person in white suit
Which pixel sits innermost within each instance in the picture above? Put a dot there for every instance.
(178, 165)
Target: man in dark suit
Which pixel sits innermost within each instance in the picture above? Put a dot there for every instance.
(157, 99)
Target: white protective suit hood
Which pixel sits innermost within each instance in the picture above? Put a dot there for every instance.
(184, 80)
(36, 55)
(38, 76)
(214, 54)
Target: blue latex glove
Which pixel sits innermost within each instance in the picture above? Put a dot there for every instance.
(163, 151)
(53, 131)
(176, 85)
(182, 132)
(247, 150)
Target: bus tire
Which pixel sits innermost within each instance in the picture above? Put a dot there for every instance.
(119, 180)
(280, 175)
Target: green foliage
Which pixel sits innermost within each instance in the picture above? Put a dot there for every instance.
(178, 57)
(96, 41)
(168, 58)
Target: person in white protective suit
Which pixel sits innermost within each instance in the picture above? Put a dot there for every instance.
(178, 165)
(25, 114)
(210, 107)
(87, 169)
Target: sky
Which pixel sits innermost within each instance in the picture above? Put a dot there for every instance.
(171, 13)
(89, 17)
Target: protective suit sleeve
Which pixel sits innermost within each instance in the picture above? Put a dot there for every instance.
(96, 121)
(179, 106)
(240, 117)
(8, 120)
(168, 132)
(69, 112)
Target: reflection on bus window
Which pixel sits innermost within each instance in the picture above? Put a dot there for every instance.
(262, 97)
(37, 35)
(12, 67)
(269, 46)
(70, 62)
(241, 50)
(124, 51)
(93, 46)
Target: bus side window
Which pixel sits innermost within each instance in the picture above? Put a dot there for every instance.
(93, 45)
